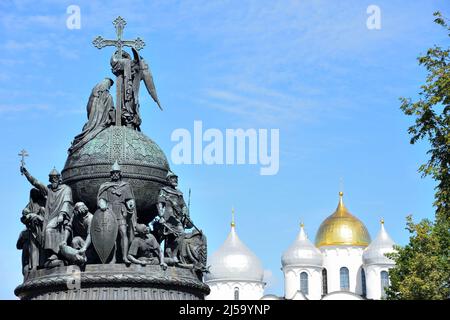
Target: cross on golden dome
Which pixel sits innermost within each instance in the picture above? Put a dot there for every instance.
(233, 224)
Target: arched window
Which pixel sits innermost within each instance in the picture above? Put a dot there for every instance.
(345, 281)
(304, 282)
(324, 282)
(236, 293)
(384, 283)
(363, 283)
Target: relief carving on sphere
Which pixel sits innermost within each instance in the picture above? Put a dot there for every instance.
(117, 141)
(141, 149)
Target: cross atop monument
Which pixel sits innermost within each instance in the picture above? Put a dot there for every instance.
(119, 23)
(99, 42)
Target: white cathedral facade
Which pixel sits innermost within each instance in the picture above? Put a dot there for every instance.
(343, 264)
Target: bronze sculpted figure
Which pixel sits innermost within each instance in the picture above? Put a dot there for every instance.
(193, 251)
(81, 227)
(23, 243)
(100, 113)
(144, 248)
(31, 239)
(116, 198)
(130, 72)
(173, 218)
(72, 255)
(57, 213)
(181, 248)
(78, 230)
(129, 75)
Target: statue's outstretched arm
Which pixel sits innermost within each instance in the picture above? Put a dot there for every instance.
(42, 188)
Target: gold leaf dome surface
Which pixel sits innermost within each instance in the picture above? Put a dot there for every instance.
(342, 228)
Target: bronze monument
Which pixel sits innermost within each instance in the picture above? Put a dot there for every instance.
(113, 224)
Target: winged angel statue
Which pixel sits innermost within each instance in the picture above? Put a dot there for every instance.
(100, 108)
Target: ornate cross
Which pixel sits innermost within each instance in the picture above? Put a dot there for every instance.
(119, 23)
(23, 154)
(99, 42)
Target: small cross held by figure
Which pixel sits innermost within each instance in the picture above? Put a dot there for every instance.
(23, 154)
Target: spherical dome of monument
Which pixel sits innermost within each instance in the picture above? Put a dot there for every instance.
(142, 162)
(342, 228)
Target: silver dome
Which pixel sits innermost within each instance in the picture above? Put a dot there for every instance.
(234, 261)
(302, 252)
(374, 253)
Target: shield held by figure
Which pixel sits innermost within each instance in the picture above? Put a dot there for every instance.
(104, 230)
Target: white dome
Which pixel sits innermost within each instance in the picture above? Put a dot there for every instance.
(374, 253)
(302, 252)
(234, 261)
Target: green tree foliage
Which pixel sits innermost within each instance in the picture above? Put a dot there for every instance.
(422, 266)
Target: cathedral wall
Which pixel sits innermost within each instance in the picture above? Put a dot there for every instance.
(373, 279)
(225, 290)
(292, 281)
(336, 257)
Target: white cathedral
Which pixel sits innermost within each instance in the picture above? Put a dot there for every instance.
(344, 264)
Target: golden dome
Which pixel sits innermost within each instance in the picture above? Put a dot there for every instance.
(342, 228)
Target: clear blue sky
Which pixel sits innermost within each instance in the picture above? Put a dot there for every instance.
(309, 68)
